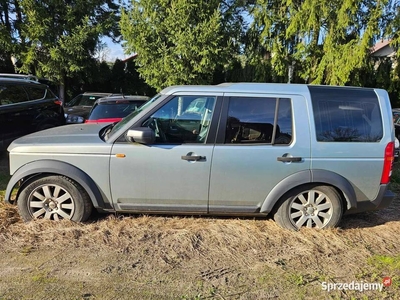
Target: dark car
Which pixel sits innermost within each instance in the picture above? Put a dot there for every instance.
(114, 108)
(26, 106)
(396, 121)
(77, 110)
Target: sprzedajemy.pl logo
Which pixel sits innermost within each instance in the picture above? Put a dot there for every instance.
(356, 286)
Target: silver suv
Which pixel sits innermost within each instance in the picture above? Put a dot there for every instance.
(302, 153)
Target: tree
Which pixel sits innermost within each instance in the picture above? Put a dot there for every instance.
(10, 22)
(178, 41)
(324, 40)
(126, 78)
(59, 38)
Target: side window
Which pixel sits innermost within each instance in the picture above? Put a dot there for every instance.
(36, 93)
(88, 100)
(10, 94)
(74, 101)
(184, 119)
(346, 115)
(252, 120)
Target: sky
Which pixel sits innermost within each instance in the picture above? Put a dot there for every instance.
(114, 50)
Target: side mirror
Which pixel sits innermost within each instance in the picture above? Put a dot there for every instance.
(143, 135)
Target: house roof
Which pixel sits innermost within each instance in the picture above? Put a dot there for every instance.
(379, 45)
(129, 58)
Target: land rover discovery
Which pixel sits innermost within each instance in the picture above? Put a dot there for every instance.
(304, 154)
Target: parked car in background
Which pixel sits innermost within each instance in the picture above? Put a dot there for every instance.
(114, 108)
(304, 154)
(77, 110)
(26, 106)
(396, 122)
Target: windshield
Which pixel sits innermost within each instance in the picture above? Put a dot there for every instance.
(83, 100)
(132, 115)
(114, 109)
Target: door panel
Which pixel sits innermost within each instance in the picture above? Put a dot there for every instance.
(174, 173)
(157, 178)
(14, 106)
(246, 167)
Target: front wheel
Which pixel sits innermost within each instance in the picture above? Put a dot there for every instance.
(54, 198)
(312, 207)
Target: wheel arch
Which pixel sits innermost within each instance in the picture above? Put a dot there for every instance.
(31, 170)
(315, 177)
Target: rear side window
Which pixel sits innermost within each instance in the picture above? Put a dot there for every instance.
(38, 93)
(83, 100)
(346, 114)
(113, 110)
(10, 94)
(88, 100)
(259, 120)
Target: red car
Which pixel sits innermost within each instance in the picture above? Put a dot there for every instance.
(114, 108)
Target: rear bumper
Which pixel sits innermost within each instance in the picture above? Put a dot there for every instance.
(384, 199)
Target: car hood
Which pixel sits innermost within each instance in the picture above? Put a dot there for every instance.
(80, 138)
(82, 111)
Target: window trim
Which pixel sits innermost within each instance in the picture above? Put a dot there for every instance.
(221, 134)
(211, 136)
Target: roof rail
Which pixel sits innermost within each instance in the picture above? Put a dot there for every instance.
(19, 76)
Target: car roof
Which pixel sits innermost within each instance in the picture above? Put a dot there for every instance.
(249, 87)
(99, 94)
(122, 97)
(19, 76)
(20, 81)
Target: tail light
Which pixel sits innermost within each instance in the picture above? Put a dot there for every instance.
(388, 163)
(58, 102)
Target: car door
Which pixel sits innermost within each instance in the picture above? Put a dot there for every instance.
(13, 99)
(257, 149)
(172, 174)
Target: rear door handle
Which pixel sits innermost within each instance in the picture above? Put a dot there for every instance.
(193, 157)
(288, 159)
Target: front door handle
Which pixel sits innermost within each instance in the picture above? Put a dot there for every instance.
(193, 157)
(288, 159)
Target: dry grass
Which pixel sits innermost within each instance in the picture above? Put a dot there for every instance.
(152, 257)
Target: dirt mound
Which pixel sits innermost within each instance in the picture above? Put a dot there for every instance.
(8, 215)
(155, 257)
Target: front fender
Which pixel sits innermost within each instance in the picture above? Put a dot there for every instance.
(307, 177)
(59, 168)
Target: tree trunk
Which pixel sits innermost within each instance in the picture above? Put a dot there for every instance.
(61, 89)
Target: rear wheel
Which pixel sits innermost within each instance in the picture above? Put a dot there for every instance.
(312, 207)
(54, 198)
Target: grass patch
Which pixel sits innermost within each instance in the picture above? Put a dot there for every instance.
(386, 266)
(384, 262)
(43, 278)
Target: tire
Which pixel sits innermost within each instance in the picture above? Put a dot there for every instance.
(54, 198)
(312, 207)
